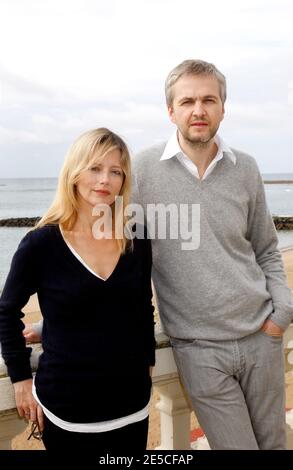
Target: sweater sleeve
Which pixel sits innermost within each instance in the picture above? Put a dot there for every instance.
(263, 236)
(19, 286)
(148, 294)
(135, 195)
(149, 309)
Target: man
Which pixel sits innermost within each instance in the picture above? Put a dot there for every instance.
(225, 304)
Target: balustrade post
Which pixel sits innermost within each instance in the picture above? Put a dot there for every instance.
(10, 426)
(10, 423)
(174, 415)
(173, 407)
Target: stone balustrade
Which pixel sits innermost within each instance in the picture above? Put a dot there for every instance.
(10, 422)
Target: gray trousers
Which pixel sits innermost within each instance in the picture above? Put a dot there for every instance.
(237, 389)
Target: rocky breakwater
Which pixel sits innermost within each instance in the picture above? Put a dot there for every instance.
(281, 222)
(19, 222)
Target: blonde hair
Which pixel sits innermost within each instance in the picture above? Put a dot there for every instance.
(88, 149)
(194, 67)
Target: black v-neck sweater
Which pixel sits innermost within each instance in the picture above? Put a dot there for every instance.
(98, 336)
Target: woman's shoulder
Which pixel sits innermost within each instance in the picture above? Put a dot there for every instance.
(36, 243)
(39, 235)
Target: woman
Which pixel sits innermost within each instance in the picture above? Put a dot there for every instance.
(92, 387)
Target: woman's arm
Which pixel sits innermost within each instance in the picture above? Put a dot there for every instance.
(26, 405)
(148, 306)
(21, 283)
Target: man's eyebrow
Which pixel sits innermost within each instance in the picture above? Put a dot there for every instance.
(211, 96)
(191, 98)
(186, 98)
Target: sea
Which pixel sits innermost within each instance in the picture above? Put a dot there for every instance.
(27, 197)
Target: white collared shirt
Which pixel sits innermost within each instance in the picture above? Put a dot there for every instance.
(173, 149)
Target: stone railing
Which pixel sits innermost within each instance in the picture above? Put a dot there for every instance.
(173, 405)
(10, 422)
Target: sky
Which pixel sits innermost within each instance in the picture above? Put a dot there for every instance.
(67, 66)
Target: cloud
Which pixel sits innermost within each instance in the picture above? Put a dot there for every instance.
(104, 48)
(255, 118)
(70, 65)
(16, 90)
(133, 119)
(9, 136)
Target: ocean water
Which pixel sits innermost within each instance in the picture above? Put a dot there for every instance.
(26, 197)
(277, 176)
(280, 198)
(32, 197)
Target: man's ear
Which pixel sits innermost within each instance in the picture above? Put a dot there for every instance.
(223, 111)
(171, 113)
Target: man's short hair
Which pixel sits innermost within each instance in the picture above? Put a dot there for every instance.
(194, 67)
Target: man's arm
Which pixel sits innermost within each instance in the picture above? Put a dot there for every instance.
(33, 332)
(264, 240)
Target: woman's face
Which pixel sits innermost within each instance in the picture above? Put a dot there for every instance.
(101, 182)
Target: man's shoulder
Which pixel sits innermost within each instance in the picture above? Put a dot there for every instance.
(149, 154)
(244, 160)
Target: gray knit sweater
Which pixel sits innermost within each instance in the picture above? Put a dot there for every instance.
(228, 286)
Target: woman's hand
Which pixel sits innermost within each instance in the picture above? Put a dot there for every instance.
(27, 406)
(30, 334)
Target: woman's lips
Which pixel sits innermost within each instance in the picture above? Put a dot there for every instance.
(102, 191)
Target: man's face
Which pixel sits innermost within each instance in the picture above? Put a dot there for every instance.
(197, 108)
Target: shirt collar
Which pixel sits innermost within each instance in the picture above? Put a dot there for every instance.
(173, 148)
